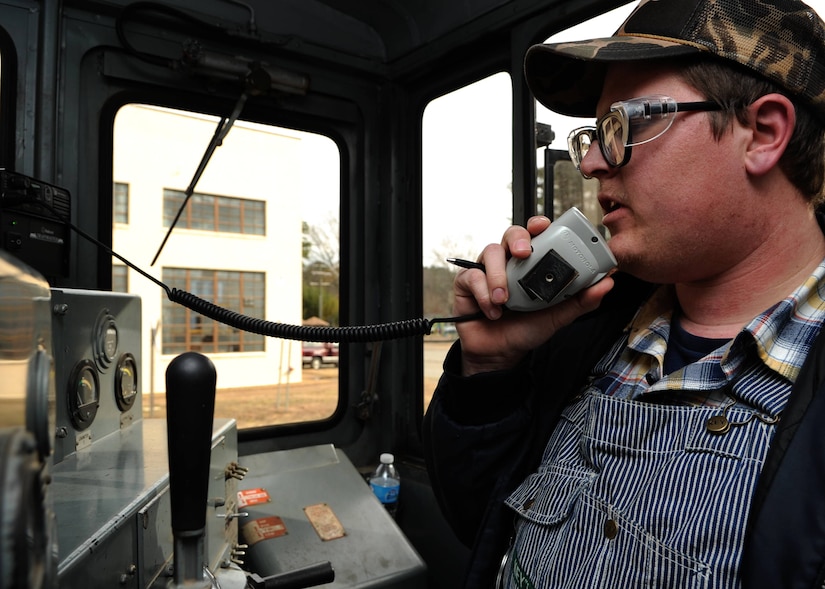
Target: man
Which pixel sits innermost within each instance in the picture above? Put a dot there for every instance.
(660, 429)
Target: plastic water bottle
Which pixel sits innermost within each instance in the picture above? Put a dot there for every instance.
(386, 483)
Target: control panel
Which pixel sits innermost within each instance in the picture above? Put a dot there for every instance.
(111, 483)
(97, 355)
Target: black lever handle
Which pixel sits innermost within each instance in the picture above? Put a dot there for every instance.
(190, 408)
(308, 576)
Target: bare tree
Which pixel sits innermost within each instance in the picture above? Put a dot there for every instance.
(322, 270)
(452, 248)
(322, 249)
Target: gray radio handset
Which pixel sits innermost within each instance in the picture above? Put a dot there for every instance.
(567, 257)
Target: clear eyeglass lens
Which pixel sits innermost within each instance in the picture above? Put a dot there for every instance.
(612, 134)
(645, 130)
(579, 144)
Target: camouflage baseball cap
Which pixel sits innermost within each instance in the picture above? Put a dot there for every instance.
(782, 40)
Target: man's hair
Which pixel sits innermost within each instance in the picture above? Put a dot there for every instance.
(735, 89)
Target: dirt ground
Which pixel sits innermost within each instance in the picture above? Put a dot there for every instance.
(312, 399)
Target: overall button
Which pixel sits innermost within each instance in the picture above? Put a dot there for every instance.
(611, 529)
(528, 504)
(718, 424)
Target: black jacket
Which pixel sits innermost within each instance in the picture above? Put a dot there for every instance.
(484, 434)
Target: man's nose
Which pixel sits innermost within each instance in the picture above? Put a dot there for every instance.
(593, 161)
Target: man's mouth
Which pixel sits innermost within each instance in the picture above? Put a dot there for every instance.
(609, 205)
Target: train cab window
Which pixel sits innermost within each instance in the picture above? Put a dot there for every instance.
(256, 233)
(467, 195)
(467, 180)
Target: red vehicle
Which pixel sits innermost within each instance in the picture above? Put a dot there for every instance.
(316, 354)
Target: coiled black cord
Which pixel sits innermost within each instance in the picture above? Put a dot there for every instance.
(309, 333)
(306, 333)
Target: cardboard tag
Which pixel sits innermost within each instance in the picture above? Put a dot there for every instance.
(324, 521)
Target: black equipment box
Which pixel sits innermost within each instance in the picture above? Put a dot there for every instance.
(33, 226)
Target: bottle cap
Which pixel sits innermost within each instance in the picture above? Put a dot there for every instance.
(387, 458)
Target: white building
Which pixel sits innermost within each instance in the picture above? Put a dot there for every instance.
(237, 244)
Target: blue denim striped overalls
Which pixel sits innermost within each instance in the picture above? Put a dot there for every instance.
(636, 494)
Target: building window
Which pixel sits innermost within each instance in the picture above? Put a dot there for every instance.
(120, 278)
(120, 190)
(184, 330)
(215, 213)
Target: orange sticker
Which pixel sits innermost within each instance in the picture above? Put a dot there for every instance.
(264, 528)
(252, 497)
(324, 521)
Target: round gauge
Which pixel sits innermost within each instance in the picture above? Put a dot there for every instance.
(40, 416)
(83, 394)
(106, 340)
(126, 381)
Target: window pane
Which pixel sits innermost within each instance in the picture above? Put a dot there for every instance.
(120, 192)
(221, 250)
(467, 197)
(120, 278)
(229, 215)
(254, 218)
(202, 214)
(172, 202)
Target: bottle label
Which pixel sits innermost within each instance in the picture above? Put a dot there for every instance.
(385, 494)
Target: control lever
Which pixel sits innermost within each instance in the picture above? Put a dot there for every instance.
(190, 408)
(308, 576)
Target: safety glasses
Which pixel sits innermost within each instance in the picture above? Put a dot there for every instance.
(629, 123)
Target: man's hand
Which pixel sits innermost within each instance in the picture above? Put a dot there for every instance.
(502, 339)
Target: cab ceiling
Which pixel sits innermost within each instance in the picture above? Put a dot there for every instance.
(389, 37)
(383, 30)
(370, 32)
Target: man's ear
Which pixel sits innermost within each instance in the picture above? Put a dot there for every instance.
(772, 120)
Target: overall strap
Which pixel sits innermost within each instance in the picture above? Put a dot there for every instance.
(785, 543)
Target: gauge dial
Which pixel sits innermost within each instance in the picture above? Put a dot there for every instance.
(83, 394)
(105, 340)
(126, 382)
